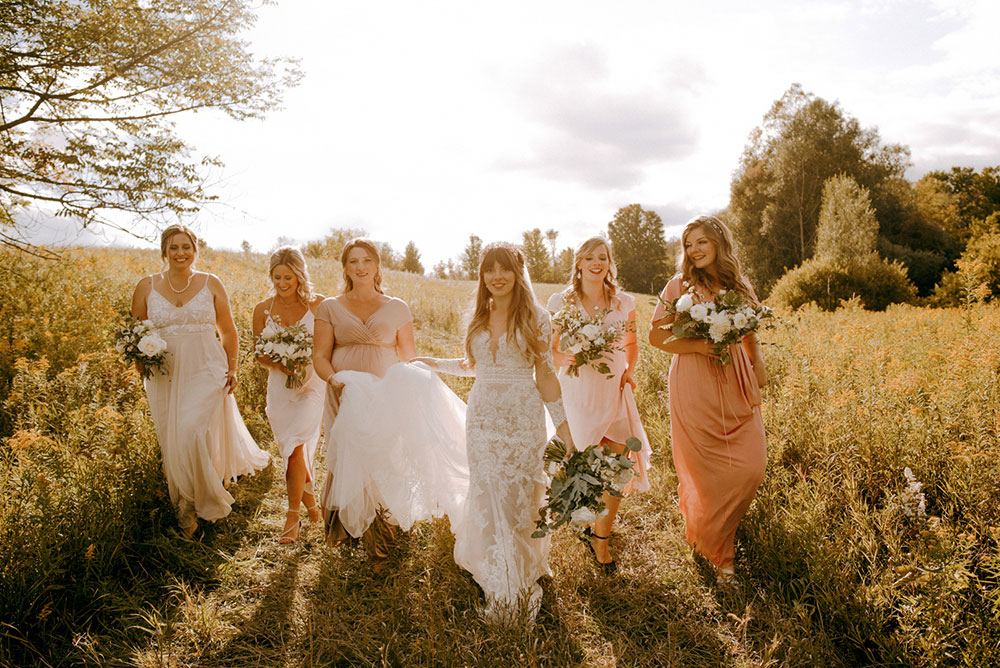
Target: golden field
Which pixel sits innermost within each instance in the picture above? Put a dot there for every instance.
(832, 571)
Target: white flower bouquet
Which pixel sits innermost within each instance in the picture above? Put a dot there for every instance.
(578, 483)
(723, 321)
(587, 338)
(291, 347)
(137, 342)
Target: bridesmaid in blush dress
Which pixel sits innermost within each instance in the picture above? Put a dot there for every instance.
(716, 428)
(362, 329)
(295, 414)
(602, 409)
(203, 440)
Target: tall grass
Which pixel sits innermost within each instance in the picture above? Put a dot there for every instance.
(832, 568)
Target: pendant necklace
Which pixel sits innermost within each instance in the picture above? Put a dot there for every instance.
(166, 277)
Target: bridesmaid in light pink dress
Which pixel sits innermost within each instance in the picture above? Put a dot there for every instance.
(716, 428)
(601, 409)
(361, 330)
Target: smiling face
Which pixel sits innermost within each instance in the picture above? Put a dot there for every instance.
(700, 250)
(595, 264)
(180, 251)
(360, 266)
(498, 280)
(286, 283)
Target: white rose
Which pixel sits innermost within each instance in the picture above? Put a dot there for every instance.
(268, 331)
(152, 345)
(699, 312)
(740, 321)
(685, 302)
(581, 517)
(553, 468)
(718, 331)
(591, 331)
(600, 341)
(576, 348)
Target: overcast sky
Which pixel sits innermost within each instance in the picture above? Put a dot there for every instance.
(430, 121)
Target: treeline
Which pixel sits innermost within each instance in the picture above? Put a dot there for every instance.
(822, 212)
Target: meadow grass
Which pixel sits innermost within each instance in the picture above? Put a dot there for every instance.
(832, 569)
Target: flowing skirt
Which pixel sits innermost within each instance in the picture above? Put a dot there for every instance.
(396, 443)
(296, 417)
(203, 440)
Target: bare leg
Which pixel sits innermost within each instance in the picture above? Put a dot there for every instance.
(295, 479)
(602, 526)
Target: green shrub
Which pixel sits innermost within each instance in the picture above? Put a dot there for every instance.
(826, 283)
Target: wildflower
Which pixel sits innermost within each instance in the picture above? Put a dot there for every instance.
(913, 501)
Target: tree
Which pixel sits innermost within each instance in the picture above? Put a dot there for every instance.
(847, 229)
(389, 258)
(776, 192)
(552, 235)
(469, 262)
(411, 259)
(640, 249)
(974, 195)
(332, 245)
(564, 266)
(444, 269)
(88, 91)
(536, 256)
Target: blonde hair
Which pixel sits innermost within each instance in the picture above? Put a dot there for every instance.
(522, 318)
(610, 279)
(372, 250)
(292, 257)
(170, 231)
(727, 265)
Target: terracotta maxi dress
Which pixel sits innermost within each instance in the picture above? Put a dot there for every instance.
(718, 441)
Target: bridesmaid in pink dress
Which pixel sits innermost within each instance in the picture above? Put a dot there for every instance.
(716, 428)
(362, 329)
(601, 409)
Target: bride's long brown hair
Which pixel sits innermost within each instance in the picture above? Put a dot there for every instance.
(522, 317)
(727, 265)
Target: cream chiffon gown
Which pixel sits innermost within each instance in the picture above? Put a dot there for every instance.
(204, 443)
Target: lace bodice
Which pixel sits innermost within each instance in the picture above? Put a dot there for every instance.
(195, 316)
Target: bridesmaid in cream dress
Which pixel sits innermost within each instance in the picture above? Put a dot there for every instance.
(366, 330)
(295, 414)
(602, 409)
(204, 443)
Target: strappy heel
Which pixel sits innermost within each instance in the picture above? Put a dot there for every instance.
(609, 567)
(314, 513)
(291, 534)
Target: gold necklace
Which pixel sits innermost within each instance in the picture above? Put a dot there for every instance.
(165, 276)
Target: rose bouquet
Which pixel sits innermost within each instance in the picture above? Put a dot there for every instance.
(290, 347)
(723, 321)
(137, 342)
(578, 483)
(587, 338)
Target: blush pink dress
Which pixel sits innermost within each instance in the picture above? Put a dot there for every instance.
(597, 407)
(718, 441)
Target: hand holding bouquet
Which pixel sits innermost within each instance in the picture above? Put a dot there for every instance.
(291, 347)
(587, 338)
(578, 483)
(137, 342)
(723, 321)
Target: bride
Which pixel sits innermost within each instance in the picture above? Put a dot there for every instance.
(507, 350)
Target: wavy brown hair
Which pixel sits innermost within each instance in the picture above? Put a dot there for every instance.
(727, 265)
(372, 250)
(522, 318)
(292, 257)
(610, 279)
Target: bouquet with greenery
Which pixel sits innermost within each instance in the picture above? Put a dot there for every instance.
(724, 321)
(588, 339)
(290, 347)
(137, 342)
(578, 483)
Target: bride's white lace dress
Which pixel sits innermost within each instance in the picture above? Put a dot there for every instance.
(505, 437)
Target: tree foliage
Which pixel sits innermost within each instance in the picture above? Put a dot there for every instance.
(776, 194)
(536, 255)
(640, 249)
(974, 195)
(847, 227)
(88, 91)
(411, 259)
(469, 262)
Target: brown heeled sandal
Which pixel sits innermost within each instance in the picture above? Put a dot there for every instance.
(609, 567)
(291, 534)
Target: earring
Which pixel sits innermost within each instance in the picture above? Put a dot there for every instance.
(579, 273)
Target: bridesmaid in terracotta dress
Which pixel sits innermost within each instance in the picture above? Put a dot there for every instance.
(602, 409)
(362, 329)
(295, 414)
(716, 427)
